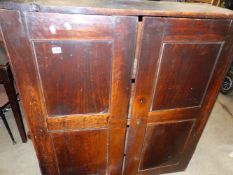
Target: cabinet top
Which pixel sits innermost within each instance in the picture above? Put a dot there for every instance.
(120, 7)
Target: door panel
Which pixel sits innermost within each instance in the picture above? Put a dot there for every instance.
(175, 67)
(77, 79)
(74, 75)
(163, 143)
(75, 153)
(183, 74)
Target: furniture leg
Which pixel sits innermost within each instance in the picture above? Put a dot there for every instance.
(7, 126)
(12, 96)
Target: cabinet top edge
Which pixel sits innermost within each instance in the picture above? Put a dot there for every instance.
(119, 7)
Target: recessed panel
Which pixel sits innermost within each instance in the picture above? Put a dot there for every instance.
(184, 72)
(81, 152)
(163, 144)
(75, 75)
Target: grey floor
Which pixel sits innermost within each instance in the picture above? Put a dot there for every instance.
(213, 156)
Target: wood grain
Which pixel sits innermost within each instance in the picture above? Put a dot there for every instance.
(177, 114)
(73, 63)
(166, 142)
(122, 69)
(202, 46)
(78, 122)
(20, 56)
(70, 27)
(77, 80)
(79, 92)
(75, 153)
(184, 71)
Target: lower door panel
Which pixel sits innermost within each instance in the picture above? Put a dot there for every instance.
(163, 144)
(81, 152)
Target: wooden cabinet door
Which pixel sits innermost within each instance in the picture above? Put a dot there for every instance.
(74, 75)
(180, 68)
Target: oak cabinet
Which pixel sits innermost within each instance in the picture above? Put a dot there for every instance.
(73, 63)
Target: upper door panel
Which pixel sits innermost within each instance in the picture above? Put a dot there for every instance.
(74, 57)
(183, 74)
(75, 75)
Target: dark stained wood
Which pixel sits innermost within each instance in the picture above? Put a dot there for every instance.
(120, 7)
(8, 81)
(27, 82)
(222, 65)
(125, 30)
(168, 115)
(179, 85)
(9, 86)
(142, 94)
(83, 84)
(70, 27)
(198, 30)
(204, 48)
(81, 122)
(74, 73)
(75, 80)
(75, 153)
(164, 141)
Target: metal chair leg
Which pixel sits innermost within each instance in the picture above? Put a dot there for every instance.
(7, 126)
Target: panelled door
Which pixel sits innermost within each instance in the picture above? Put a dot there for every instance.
(74, 75)
(180, 61)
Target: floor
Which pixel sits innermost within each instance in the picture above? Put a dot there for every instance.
(213, 156)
